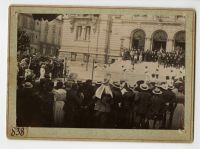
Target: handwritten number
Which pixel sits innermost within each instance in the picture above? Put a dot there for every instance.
(17, 131)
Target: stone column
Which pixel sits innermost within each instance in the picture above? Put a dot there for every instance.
(147, 43)
(169, 46)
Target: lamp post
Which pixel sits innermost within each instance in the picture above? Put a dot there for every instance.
(88, 56)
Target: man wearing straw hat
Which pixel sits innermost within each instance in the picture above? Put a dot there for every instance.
(169, 97)
(155, 113)
(141, 105)
(115, 104)
(126, 107)
(103, 97)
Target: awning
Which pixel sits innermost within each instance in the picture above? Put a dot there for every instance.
(48, 17)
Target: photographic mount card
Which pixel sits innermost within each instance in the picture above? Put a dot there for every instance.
(101, 73)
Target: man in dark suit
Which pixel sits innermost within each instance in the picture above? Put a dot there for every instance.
(141, 106)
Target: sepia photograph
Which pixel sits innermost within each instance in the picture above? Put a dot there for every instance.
(101, 70)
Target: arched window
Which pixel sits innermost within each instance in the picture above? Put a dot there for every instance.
(159, 40)
(179, 40)
(138, 39)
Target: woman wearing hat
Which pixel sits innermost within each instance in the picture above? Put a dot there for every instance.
(155, 113)
(178, 116)
(42, 71)
(59, 102)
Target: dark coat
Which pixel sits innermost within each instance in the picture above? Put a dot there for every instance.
(169, 99)
(156, 106)
(143, 102)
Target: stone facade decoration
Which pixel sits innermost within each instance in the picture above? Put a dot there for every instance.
(103, 37)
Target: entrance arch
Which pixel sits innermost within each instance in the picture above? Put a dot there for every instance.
(179, 40)
(159, 40)
(138, 39)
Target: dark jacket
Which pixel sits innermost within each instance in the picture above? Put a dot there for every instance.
(143, 102)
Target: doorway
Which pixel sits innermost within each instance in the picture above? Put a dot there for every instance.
(159, 40)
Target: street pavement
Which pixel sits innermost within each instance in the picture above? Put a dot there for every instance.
(123, 70)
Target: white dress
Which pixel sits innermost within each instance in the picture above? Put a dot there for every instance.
(42, 73)
(59, 102)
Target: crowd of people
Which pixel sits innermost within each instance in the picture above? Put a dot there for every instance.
(176, 58)
(105, 104)
(37, 65)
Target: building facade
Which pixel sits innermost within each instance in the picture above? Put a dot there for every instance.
(27, 23)
(44, 35)
(104, 37)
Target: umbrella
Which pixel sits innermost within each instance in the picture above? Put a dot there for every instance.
(48, 17)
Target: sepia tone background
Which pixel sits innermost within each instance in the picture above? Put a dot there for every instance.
(137, 135)
(32, 144)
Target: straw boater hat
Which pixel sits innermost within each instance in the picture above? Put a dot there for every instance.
(164, 86)
(43, 66)
(98, 82)
(178, 82)
(28, 85)
(144, 87)
(170, 86)
(157, 91)
(93, 83)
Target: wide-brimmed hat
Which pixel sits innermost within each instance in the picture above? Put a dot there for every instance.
(164, 86)
(43, 66)
(144, 87)
(98, 82)
(28, 85)
(171, 86)
(116, 84)
(157, 91)
(178, 82)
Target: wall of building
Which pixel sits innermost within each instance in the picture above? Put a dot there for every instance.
(122, 28)
(95, 45)
(44, 35)
(110, 30)
(27, 23)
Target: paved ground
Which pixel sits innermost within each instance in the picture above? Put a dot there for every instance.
(122, 70)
